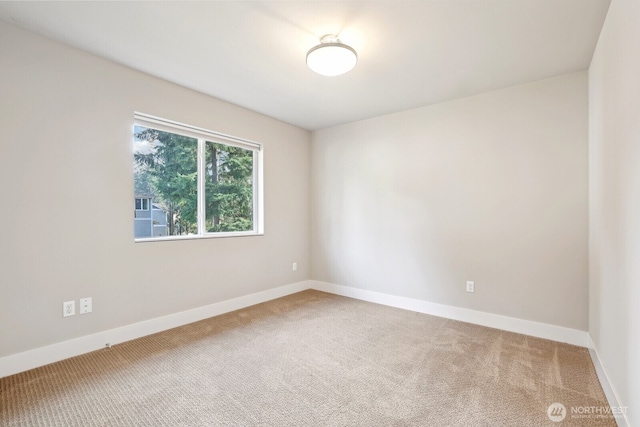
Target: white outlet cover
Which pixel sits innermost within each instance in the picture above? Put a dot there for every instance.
(471, 287)
(86, 305)
(68, 308)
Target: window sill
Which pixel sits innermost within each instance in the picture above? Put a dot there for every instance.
(198, 236)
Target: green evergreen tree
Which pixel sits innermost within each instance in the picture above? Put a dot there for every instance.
(229, 188)
(166, 169)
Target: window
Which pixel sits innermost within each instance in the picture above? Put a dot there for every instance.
(196, 183)
(142, 204)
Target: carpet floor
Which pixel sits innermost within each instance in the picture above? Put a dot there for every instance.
(313, 359)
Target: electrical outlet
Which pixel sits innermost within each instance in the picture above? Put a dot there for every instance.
(86, 305)
(68, 308)
(471, 287)
(295, 266)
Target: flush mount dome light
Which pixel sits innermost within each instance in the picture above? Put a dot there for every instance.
(331, 57)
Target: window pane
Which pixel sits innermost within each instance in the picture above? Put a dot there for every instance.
(165, 178)
(228, 188)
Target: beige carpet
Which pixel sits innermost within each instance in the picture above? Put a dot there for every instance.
(312, 359)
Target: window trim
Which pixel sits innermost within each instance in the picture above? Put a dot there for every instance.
(158, 123)
(203, 135)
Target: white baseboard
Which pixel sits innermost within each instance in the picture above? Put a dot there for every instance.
(511, 324)
(41, 356)
(607, 387)
(30, 359)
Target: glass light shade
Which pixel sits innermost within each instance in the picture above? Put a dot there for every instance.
(332, 59)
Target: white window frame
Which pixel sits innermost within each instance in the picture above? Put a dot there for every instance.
(204, 135)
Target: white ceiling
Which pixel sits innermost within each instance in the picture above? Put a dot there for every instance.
(410, 53)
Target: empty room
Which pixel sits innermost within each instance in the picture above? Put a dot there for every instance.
(320, 213)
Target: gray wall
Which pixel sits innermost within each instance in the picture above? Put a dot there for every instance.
(614, 202)
(491, 188)
(66, 149)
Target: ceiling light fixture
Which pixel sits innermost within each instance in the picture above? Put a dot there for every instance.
(331, 57)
